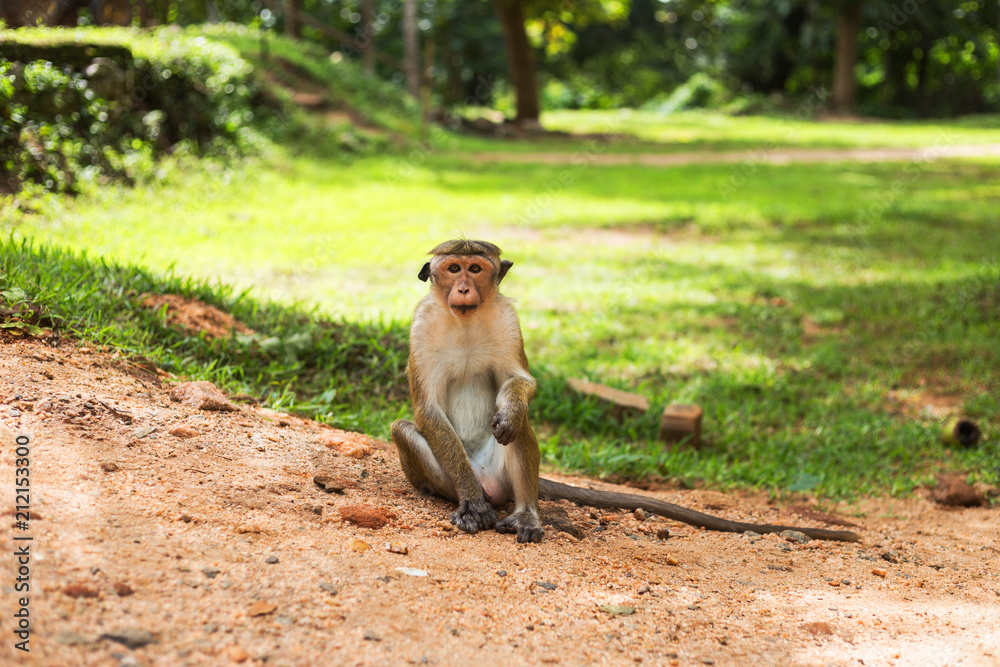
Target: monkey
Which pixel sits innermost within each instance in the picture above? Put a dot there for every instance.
(470, 440)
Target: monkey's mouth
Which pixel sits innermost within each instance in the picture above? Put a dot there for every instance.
(464, 311)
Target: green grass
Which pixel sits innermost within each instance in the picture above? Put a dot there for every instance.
(813, 310)
(710, 130)
(631, 131)
(295, 359)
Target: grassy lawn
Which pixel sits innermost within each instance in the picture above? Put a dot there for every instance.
(705, 130)
(814, 311)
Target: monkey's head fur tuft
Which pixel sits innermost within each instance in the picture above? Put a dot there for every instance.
(465, 274)
(466, 247)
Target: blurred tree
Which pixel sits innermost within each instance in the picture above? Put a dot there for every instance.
(520, 60)
(913, 57)
(551, 23)
(845, 81)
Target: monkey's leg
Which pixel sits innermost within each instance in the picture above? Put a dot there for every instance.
(521, 464)
(427, 474)
(418, 462)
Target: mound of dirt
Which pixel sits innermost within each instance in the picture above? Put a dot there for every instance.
(195, 316)
(162, 534)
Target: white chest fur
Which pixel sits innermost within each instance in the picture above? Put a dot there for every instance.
(469, 360)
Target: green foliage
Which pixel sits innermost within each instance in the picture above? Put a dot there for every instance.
(699, 92)
(65, 125)
(916, 59)
(210, 90)
(288, 64)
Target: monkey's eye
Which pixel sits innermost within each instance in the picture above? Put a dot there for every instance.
(454, 268)
(475, 268)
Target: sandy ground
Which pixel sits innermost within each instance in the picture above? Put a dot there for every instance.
(203, 536)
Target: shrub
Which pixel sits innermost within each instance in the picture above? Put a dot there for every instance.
(86, 104)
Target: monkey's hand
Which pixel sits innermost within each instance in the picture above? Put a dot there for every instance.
(474, 515)
(505, 425)
(527, 527)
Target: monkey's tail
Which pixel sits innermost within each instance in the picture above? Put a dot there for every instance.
(549, 490)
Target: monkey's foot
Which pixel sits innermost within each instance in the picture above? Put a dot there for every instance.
(526, 525)
(474, 515)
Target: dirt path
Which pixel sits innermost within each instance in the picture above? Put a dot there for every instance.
(776, 156)
(204, 534)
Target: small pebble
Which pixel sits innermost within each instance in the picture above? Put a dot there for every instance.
(70, 638)
(412, 571)
(80, 591)
(131, 637)
(236, 654)
(549, 586)
(271, 560)
(617, 609)
(122, 589)
(261, 608)
(397, 548)
(639, 514)
(795, 536)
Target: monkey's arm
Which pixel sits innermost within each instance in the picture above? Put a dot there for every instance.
(515, 393)
(549, 490)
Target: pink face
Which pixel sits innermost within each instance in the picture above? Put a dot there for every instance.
(466, 281)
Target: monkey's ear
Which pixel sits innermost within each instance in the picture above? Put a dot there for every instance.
(425, 272)
(505, 265)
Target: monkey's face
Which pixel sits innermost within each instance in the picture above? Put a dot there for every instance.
(466, 283)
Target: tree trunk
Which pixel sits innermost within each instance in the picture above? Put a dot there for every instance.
(519, 59)
(844, 82)
(367, 29)
(410, 48)
(293, 25)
